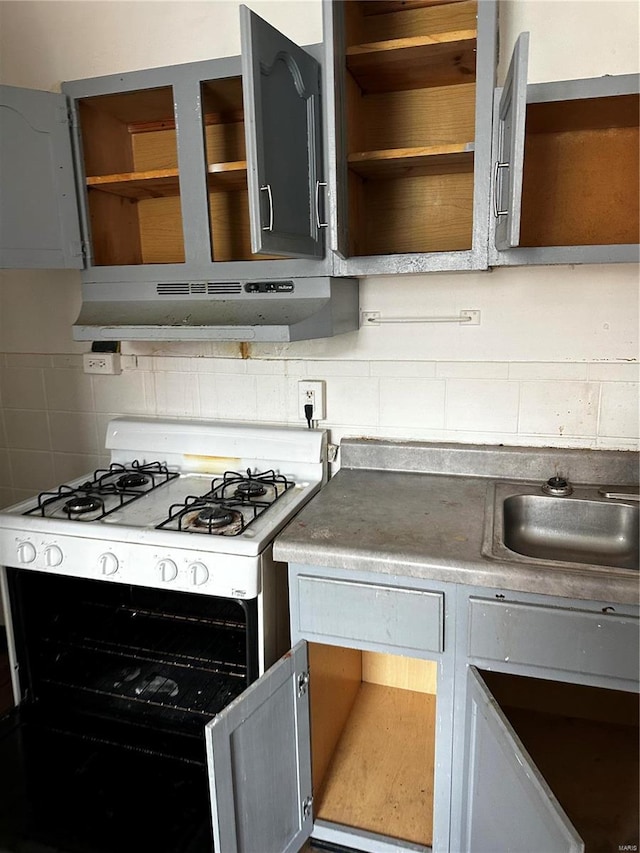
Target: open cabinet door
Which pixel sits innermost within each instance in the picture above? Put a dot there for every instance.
(509, 807)
(281, 91)
(509, 156)
(259, 762)
(39, 223)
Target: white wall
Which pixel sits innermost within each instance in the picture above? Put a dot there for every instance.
(554, 361)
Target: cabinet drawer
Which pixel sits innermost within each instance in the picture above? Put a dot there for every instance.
(555, 638)
(374, 613)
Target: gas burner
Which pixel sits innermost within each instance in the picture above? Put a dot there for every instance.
(216, 520)
(132, 481)
(250, 489)
(213, 516)
(81, 504)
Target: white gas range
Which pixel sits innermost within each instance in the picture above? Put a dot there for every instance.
(139, 601)
(184, 504)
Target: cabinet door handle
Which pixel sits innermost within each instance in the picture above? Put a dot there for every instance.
(318, 223)
(497, 212)
(267, 188)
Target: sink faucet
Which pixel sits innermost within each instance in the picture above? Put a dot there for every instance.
(620, 493)
(557, 486)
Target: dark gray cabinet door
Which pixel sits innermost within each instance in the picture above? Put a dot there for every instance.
(509, 163)
(509, 807)
(281, 90)
(39, 225)
(259, 761)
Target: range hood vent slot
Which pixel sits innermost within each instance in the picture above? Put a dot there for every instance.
(185, 288)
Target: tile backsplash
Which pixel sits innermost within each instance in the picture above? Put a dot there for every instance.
(53, 416)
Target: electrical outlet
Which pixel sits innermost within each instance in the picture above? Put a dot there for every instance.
(311, 393)
(107, 363)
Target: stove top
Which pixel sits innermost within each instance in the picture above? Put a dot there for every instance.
(183, 502)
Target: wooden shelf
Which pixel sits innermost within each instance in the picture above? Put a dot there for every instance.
(442, 59)
(227, 177)
(383, 7)
(410, 162)
(156, 183)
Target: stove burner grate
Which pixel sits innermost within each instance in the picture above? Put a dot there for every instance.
(108, 490)
(233, 502)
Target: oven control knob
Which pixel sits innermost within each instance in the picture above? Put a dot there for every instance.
(26, 552)
(108, 563)
(53, 556)
(199, 573)
(168, 570)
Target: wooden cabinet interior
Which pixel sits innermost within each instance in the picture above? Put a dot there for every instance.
(133, 186)
(584, 740)
(580, 182)
(410, 116)
(373, 741)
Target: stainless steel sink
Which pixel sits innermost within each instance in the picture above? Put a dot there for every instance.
(524, 525)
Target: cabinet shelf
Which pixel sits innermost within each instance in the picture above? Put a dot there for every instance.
(155, 183)
(227, 177)
(417, 62)
(410, 162)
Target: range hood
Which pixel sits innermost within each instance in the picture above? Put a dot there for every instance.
(246, 310)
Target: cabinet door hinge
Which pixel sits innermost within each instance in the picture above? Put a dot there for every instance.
(78, 249)
(306, 807)
(64, 115)
(303, 683)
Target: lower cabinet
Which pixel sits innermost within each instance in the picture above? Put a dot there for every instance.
(547, 728)
(347, 741)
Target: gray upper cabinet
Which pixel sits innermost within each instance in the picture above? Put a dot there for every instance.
(565, 164)
(509, 806)
(510, 121)
(259, 761)
(410, 133)
(39, 225)
(201, 172)
(281, 85)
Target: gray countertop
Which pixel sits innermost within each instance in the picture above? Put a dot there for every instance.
(430, 523)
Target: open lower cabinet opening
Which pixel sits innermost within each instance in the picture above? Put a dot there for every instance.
(580, 181)
(130, 157)
(372, 741)
(584, 741)
(410, 125)
(106, 749)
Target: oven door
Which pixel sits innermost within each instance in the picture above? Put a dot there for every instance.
(259, 760)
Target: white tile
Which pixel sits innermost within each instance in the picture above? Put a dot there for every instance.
(472, 370)
(27, 430)
(268, 366)
(75, 362)
(68, 390)
(559, 408)
(102, 422)
(121, 394)
(237, 397)
(353, 401)
(218, 365)
(547, 370)
(68, 466)
(614, 372)
(177, 394)
(18, 360)
(20, 495)
(74, 432)
(295, 367)
(619, 410)
(421, 369)
(6, 499)
(149, 385)
(172, 365)
(343, 367)
(5, 470)
(604, 443)
(208, 395)
(22, 388)
(412, 402)
(271, 399)
(482, 405)
(32, 470)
